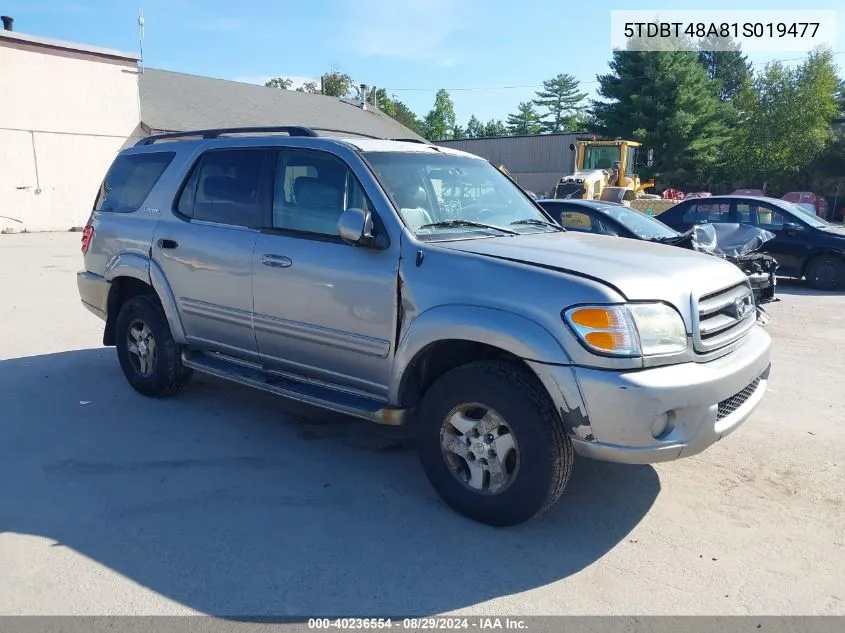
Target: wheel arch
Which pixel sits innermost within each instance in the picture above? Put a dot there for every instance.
(130, 275)
(443, 338)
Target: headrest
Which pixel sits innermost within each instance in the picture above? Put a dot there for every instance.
(410, 197)
(224, 187)
(316, 194)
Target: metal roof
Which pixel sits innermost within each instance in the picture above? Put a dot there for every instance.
(66, 46)
(176, 102)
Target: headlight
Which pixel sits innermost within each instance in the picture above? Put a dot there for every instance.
(636, 329)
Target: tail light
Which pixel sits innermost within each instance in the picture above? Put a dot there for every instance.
(87, 234)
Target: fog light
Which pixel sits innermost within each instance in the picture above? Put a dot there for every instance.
(658, 427)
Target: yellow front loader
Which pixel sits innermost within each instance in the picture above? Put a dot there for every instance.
(604, 170)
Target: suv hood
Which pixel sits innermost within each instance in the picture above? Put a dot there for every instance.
(639, 270)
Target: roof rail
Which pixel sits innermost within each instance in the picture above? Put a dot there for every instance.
(412, 140)
(292, 130)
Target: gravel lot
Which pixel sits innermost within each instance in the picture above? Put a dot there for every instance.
(233, 502)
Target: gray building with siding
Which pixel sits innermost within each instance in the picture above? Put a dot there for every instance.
(535, 162)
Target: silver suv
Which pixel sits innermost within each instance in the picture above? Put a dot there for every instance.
(406, 283)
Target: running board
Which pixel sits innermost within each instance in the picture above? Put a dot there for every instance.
(312, 393)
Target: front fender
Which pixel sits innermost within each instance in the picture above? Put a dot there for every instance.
(511, 332)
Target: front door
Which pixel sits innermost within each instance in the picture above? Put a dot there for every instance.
(323, 309)
(788, 246)
(206, 248)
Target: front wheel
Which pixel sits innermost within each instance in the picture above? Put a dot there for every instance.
(491, 443)
(826, 272)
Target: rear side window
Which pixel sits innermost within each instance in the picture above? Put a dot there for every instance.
(130, 180)
(225, 188)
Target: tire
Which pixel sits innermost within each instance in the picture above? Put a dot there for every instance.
(539, 465)
(826, 272)
(163, 375)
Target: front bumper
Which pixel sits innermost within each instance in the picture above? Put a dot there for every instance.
(613, 416)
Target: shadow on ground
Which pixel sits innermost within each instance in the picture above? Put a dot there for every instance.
(232, 502)
(790, 286)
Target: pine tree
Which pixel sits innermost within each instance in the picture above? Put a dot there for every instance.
(665, 100)
(525, 120)
(475, 128)
(562, 102)
(495, 127)
(725, 63)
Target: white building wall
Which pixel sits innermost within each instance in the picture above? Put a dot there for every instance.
(64, 114)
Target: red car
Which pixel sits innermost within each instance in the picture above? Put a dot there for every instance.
(810, 201)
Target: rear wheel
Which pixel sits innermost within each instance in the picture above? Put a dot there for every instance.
(491, 443)
(149, 357)
(826, 272)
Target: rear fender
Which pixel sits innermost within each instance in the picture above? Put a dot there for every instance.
(147, 271)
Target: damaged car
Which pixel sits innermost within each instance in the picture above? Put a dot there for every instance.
(738, 243)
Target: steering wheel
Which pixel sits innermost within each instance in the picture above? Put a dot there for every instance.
(478, 212)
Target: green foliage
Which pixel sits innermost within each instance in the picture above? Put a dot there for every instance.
(439, 123)
(666, 101)
(407, 118)
(786, 117)
(282, 83)
(562, 103)
(310, 87)
(727, 65)
(337, 84)
(495, 127)
(525, 120)
(458, 132)
(475, 127)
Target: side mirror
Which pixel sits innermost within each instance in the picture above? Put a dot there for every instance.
(355, 227)
(790, 227)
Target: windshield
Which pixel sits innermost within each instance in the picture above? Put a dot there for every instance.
(803, 214)
(601, 157)
(641, 225)
(439, 188)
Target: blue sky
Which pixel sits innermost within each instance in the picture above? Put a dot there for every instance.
(410, 47)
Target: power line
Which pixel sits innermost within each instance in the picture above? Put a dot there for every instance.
(535, 86)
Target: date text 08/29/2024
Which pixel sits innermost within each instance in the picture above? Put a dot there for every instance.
(418, 624)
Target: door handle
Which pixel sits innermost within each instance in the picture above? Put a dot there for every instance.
(277, 261)
(165, 243)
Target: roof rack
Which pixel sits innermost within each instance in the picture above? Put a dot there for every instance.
(292, 130)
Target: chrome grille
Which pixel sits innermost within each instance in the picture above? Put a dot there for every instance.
(724, 317)
(726, 407)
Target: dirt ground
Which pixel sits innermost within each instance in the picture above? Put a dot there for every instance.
(228, 501)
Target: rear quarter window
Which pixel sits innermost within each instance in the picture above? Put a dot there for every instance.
(129, 181)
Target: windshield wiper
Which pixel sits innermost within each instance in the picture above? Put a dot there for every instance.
(536, 222)
(457, 223)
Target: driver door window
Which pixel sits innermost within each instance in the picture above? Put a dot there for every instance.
(311, 192)
(762, 216)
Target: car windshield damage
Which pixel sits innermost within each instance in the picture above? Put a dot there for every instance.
(441, 196)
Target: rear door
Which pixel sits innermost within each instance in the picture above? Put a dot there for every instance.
(205, 247)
